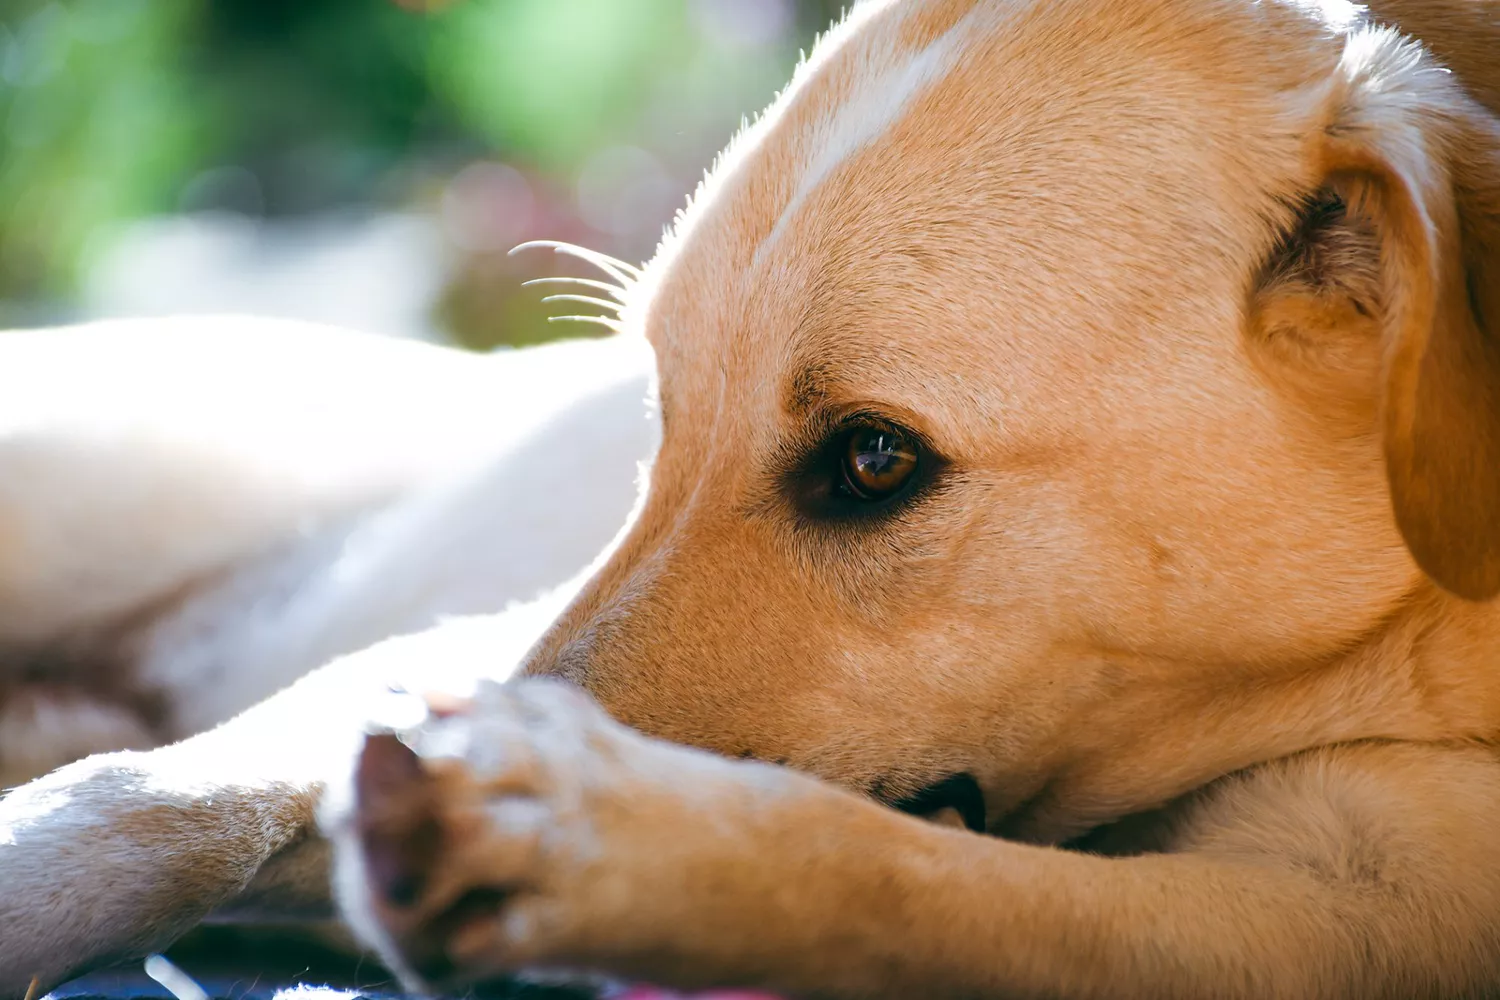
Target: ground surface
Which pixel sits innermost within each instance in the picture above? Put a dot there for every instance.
(232, 966)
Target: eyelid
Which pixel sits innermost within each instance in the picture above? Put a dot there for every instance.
(830, 424)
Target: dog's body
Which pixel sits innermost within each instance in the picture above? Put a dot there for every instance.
(1082, 417)
(199, 511)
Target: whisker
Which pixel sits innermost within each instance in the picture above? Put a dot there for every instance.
(587, 300)
(603, 321)
(614, 291)
(625, 273)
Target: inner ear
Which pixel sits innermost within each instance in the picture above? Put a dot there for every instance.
(1328, 254)
(1315, 313)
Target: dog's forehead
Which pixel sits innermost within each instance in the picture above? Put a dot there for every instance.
(1040, 159)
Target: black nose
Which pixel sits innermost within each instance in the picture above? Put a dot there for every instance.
(959, 792)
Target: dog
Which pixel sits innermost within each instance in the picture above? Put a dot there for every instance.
(1079, 423)
(193, 545)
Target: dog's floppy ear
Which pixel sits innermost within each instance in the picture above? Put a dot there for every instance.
(1418, 162)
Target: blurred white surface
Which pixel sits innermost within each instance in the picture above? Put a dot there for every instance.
(375, 273)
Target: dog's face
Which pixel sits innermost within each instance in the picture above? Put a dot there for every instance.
(1027, 394)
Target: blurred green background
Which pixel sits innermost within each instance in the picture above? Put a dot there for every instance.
(366, 162)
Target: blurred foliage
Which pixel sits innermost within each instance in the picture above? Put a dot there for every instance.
(116, 110)
(96, 128)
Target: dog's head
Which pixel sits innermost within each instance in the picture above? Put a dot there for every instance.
(1069, 395)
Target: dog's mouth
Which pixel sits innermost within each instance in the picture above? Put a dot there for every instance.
(954, 801)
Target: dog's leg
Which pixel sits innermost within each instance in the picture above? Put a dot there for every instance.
(140, 457)
(117, 855)
(196, 512)
(532, 831)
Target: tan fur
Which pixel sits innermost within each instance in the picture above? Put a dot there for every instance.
(1197, 302)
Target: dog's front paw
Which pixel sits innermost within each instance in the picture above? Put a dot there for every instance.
(528, 830)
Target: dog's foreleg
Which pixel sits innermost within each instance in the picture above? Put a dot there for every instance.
(117, 855)
(573, 843)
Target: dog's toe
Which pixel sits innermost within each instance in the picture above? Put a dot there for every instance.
(398, 824)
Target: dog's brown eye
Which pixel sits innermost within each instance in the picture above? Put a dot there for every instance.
(878, 462)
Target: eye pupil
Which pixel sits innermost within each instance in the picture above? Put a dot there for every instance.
(878, 462)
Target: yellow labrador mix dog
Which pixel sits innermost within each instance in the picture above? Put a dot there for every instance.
(1079, 418)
